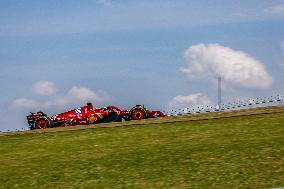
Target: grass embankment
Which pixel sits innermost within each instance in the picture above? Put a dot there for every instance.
(233, 152)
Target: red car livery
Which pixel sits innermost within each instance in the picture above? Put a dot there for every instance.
(89, 115)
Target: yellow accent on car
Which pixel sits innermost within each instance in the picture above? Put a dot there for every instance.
(92, 119)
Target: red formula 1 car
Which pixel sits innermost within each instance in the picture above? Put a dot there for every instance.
(88, 115)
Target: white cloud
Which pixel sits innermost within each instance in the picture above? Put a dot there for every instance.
(82, 94)
(74, 97)
(56, 103)
(44, 88)
(235, 67)
(193, 100)
(279, 9)
(78, 96)
(23, 103)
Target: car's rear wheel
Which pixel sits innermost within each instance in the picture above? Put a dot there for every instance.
(42, 123)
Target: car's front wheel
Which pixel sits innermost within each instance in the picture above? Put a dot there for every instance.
(138, 112)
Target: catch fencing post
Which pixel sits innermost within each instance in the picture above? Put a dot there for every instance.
(219, 93)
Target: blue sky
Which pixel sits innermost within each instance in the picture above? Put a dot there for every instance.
(128, 52)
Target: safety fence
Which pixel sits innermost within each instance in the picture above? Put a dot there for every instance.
(240, 104)
(237, 105)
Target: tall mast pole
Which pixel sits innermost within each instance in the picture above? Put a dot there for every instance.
(219, 93)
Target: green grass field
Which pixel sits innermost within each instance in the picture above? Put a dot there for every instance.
(205, 151)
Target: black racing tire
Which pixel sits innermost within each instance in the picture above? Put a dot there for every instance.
(138, 112)
(43, 122)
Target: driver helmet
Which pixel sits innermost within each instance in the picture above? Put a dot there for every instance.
(90, 106)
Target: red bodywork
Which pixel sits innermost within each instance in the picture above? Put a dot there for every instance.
(89, 115)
